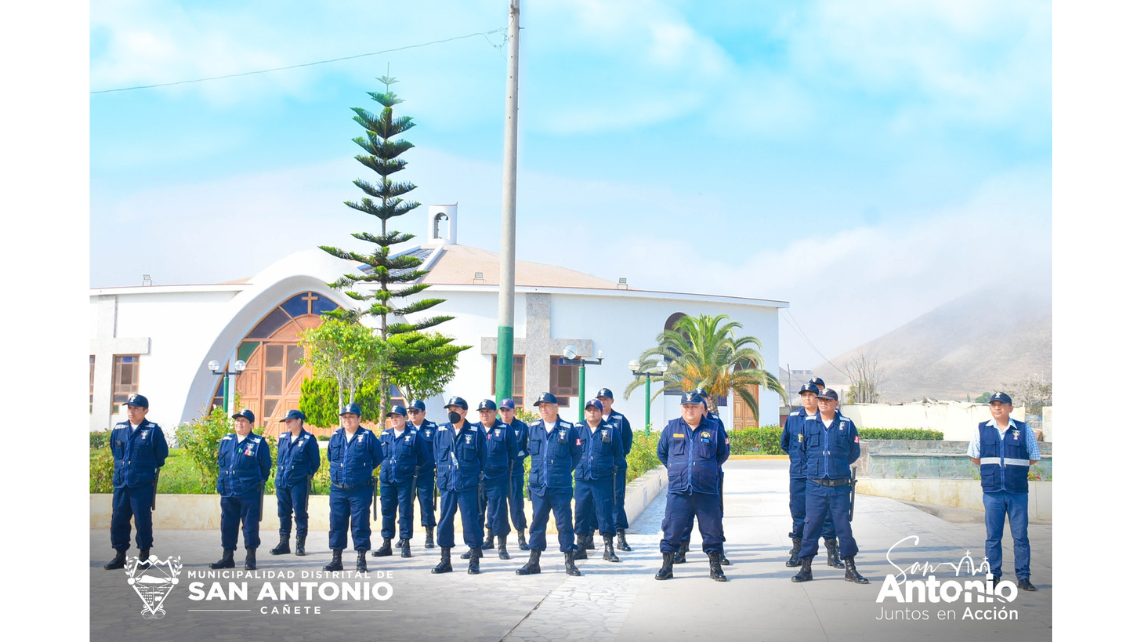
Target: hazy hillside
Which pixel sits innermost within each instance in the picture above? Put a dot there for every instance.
(966, 346)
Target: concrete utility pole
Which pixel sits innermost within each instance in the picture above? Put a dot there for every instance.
(505, 335)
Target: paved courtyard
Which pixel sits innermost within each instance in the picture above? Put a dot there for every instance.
(610, 601)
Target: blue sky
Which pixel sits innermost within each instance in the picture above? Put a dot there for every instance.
(866, 161)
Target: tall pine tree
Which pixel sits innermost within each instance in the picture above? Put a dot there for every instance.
(388, 281)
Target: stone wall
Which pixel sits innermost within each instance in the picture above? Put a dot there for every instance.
(920, 459)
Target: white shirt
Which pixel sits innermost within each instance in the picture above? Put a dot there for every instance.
(594, 428)
(829, 423)
(607, 417)
(293, 437)
(135, 427)
(549, 426)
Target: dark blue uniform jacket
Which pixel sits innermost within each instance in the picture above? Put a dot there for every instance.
(243, 465)
(693, 457)
(297, 459)
(138, 456)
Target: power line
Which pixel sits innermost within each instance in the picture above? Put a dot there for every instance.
(484, 34)
(797, 327)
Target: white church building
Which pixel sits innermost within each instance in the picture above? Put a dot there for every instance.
(159, 340)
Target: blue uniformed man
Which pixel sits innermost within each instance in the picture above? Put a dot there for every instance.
(829, 448)
(460, 453)
(595, 475)
(426, 473)
(354, 453)
(243, 470)
(502, 451)
(517, 481)
(792, 438)
(555, 450)
(710, 415)
(403, 453)
(693, 449)
(298, 459)
(140, 450)
(1005, 449)
(612, 416)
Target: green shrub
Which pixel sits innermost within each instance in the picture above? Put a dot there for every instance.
(643, 455)
(900, 433)
(756, 441)
(100, 439)
(199, 441)
(178, 476)
(102, 469)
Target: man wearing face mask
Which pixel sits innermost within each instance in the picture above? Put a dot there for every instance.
(426, 473)
(595, 479)
(243, 469)
(555, 451)
(354, 453)
(516, 483)
(402, 453)
(460, 455)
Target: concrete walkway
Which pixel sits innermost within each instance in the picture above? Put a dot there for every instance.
(610, 601)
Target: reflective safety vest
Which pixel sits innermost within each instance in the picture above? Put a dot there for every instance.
(1003, 463)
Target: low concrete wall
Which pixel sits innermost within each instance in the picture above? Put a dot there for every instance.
(202, 512)
(954, 493)
(926, 459)
(956, 420)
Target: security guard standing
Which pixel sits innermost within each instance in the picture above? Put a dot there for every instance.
(555, 452)
(502, 451)
(516, 483)
(612, 416)
(354, 453)
(710, 415)
(692, 448)
(792, 438)
(460, 454)
(243, 470)
(426, 473)
(298, 459)
(829, 448)
(595, 479)
(139, 450)
(403, 453)
(1005, 449)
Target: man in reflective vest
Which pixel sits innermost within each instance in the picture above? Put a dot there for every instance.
(1005, 449)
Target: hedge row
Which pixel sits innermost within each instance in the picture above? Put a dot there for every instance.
(901, 433)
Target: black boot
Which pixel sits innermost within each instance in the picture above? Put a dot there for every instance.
(335, 565)
(523, 541)
(428, 543)
(283, 545)
(716, 573)
(623, 546)
(609, 549)
(361, 566)
(794, 554)
(119, 562)
(833, 559)
(580, 547)
(680, 556)
(405, 548)
(251, 559)
(227, 560)
(851, 574)
(591, 541)
(145, 554)
(667, 570)
(1026, 585)
(466, 554)
(724, 561)
(489, 541)
(474, 561)
(569, 564)
(532, 566)
(299, 546)
(445, 565)
(386, 548)
(504, 547)
(806, 572)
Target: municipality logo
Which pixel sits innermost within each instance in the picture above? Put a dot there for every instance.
(153, 580)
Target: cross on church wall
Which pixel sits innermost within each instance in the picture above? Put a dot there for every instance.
(537, 347)
(105, 346)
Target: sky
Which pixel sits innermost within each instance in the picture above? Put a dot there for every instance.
(864, 160)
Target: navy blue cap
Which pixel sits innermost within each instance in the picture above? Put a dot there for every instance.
(247, 413)
(417, 404)
(398, 410)
(819, 381)
(138, 400)
(507, 404)
(605, 392)
(811, 387)
(1000, 396)
(692, 398)
(594, 403)
(294, 414)
(546, 397)
(457, 401)
(828, 393)
(351, 409)
(486, 404)
(702, 391)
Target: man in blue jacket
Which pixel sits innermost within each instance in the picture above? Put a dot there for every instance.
(354, 453)
(502, 450)
(460, 454)
(1005, 449)
(792, 438)
(243, 470)
(298, 459)
(555, 451)
(426, 474)
(829, 448)
(612, 416)
(710, 414)
(139, 450)
(516, 484)
(403, 453)
(595, 479)
(693, 449)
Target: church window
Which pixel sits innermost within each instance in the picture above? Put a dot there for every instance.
(564, 382)
(438, 223)
(517, 378)
(126, 380)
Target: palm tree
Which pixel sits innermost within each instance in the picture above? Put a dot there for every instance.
(702, 352)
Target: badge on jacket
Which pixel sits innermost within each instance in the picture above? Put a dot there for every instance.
(800, 437)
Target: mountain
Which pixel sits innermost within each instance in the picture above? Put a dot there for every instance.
(970, 345)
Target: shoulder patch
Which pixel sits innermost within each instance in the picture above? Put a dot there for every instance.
(227, 437)
(256, 439)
